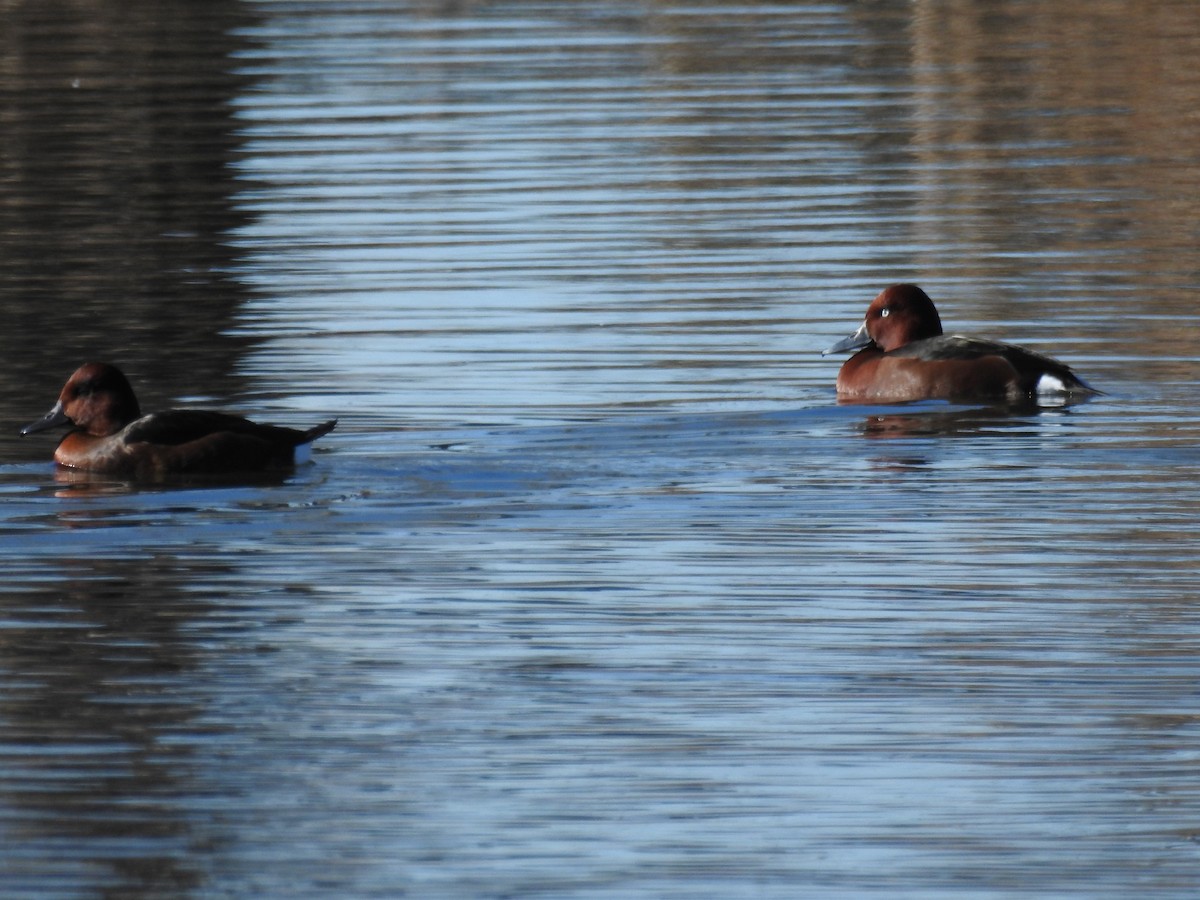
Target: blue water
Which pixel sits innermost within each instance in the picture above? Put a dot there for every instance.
(596, 590)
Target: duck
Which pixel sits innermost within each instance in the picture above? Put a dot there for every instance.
(109, 435)
(903, 355)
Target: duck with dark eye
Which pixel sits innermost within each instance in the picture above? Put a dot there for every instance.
(110, 435)
(903, 355)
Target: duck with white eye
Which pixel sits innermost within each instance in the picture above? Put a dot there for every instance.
(903, 355)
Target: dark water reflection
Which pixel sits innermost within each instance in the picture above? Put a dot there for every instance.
(116, 191)
(97, 682)
(596, 590)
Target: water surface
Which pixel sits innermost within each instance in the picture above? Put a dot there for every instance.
(596, 590)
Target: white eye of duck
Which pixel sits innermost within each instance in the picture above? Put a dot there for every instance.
(883, 313)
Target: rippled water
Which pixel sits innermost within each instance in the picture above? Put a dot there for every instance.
(596, 590)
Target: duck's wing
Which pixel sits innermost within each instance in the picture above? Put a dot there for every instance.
(182, 426)
(1030, 367)
(189, 440)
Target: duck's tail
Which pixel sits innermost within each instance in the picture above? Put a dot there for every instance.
(317, 431)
